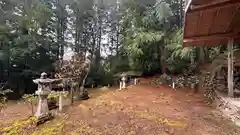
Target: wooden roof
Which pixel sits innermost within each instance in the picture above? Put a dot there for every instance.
(129, 73)
(211, 22)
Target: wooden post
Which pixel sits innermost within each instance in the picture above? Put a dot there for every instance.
(120, 85)
(173, 85)
(230, 67)
(60, 102)
(71, 94)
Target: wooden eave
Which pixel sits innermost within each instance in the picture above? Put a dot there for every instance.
(211, 22)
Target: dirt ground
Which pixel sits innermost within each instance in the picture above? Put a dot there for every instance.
(140, 110)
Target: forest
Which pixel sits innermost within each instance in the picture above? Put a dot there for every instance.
(122, 36)
(64, 39)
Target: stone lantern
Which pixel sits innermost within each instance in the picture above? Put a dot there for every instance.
(44, 89)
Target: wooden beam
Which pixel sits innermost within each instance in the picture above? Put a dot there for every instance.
(199, 20)
(232, 18)
(212, 6)
(210, 37)
(188, 5)
(230, 67)
(199, 2)
(212, 22)
(194, 44)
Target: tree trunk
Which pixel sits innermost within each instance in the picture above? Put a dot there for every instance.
(182, 5)
(230, 68)
(163, 59)
(201, 55)
(71, 95)
(83, 94)
(163, 66)
(32, 108)
(192, 57)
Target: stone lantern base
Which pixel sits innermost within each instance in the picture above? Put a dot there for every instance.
(84, 94)
(44, 118)
(43, 114)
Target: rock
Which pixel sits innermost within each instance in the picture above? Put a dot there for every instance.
(104, 88)
(237, 122)
(84, 96)
(44, 118)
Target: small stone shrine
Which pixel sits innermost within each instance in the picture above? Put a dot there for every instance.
(127, 78)
(44, 89)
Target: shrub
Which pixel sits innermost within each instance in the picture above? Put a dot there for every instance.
(3, 98)
(30, 99)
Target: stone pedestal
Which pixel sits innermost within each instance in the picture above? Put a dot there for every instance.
(42, 109)
(83, 94)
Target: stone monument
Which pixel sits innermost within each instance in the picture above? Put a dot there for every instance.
(123, 81)
(44, 89)
(135, 81)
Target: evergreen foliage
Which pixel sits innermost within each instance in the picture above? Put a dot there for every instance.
(126, 36)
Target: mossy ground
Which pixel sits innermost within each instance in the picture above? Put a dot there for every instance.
(140, 110)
